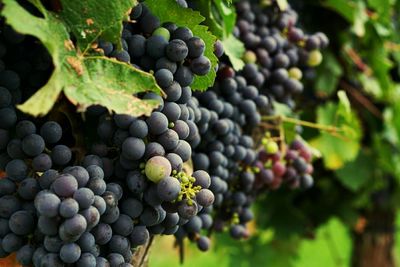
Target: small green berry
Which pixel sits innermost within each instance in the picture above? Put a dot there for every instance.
(295, 73)
(314, 58)
(249, 57)
(162, 32)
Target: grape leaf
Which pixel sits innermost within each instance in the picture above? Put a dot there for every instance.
(212, 19)
(234, 49)
(85, 81)
(357, 173)
(328, 74)
(336, 150)
(221, 20)
(171, 11)
(227, 15)
(89, 20)
(103, 83)
(354, 11)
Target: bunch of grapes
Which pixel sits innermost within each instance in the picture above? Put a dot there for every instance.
(150, 152)
(226, 151)
(290, 165)
(189, 168)
(51, 214)
(278, 52)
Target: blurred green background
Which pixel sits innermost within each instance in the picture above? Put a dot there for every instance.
(330, 247)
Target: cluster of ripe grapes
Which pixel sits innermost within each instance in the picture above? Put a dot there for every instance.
(150, 151)
(278, 52)
(52, 212)
(290, 165)
(61, 206)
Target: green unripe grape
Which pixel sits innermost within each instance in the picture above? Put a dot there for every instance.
(162, 32)
(314, 58)
(249, 57)
(157, 168)
(271, 147)
(295, 73)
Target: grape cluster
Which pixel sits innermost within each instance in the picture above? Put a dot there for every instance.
(278, 52)
(171, 52)
(61, 205)
(226, 152)
(51, 214)
(151, 152)
(292, 165)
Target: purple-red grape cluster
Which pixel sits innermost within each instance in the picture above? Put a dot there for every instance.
(291, 166)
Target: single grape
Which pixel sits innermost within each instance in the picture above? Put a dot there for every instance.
(87, 260)
(177, 50)
(184, 75)
(140, 235)
(182, 33)
(68, 208)
(157, 123)
(33, 145)
(157, 168)
(133, 148)
(203, 243)
(70, 253)
(28, 188)
(155, 46)
(136, 45)
(84, 197)
(22, 223)
(51, 132)
(168, 188)
(65, 185)
(196, 47)
(25, 254)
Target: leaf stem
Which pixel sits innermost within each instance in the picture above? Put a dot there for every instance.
(327, 128)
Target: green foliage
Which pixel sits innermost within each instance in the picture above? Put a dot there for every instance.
(171, 11)
(353, 11)
(338, 149)
(85, 80)
(88, 20)
(328, 75)
(357, 173)
(234, 49)
(221, 18)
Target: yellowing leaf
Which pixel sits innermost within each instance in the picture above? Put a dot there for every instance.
(84, 80)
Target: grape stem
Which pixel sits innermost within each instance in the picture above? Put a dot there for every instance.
(280, 118)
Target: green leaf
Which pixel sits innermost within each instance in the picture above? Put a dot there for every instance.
(171, 11)
(234, 49)
(221, 20)
(342, 7)
(102, 88)
(212, 19)
(370, 85)
(354, 11)
(282, 109)
(85, 81)
(337, 150)
(89, 20)
(52, 33)
(355, 174)
(328, 75)
(227, 15)
(360, 18)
